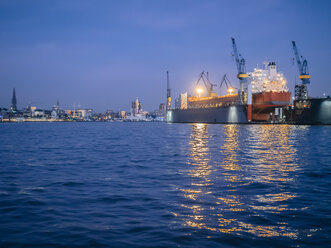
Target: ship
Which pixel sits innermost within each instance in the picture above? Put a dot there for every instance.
(262, 97)
(270, 94)
(265, 97)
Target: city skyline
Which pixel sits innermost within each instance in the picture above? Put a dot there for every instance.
(13, 106)
(103, 55)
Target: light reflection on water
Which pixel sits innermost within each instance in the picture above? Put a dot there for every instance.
(243, 182)
(274, 155)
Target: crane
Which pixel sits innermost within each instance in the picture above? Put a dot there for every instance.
(229, 88)
(168, 93)
(205, 79)
(303, 66)
(242, 75)
(301, 92)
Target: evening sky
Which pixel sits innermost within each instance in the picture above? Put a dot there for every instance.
(104, 54)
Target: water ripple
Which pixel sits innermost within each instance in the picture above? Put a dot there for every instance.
(159, 185)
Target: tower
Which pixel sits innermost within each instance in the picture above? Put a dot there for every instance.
(13, 106)
(136, 107)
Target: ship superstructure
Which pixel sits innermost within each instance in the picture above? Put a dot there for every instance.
(270, 93)
(268, 79)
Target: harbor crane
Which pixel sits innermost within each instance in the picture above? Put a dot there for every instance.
(242, 75)
(205, 79)
(301, 92)
(226, 81)
(168, 93)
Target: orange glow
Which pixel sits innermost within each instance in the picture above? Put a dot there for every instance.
(199, 91)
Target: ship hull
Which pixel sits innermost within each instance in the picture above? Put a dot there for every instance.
(318, 112)
(266, 102)
(236, 114)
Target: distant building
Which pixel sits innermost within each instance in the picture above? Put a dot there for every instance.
(56, 110)
(136, 107)
(162, 107)
(137, 114)
(109, 114)
(38, 113)
(80, 113)
(85, 113)
(122, 114)
(159, 112)
(181, 101)
(33, 108)
(177, 103)
(13, 106)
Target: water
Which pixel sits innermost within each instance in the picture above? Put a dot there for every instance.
(164, 185)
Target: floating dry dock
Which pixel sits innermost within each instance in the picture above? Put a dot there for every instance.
(263, 97)
(267, 100)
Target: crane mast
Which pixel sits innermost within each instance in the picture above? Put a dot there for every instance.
(242, 75)
(168, 93)
(301, 92)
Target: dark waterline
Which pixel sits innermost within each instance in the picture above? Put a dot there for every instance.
(164, 185)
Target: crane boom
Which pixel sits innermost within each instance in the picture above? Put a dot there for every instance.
(235, 51)
(297, 57)
(205, 79)
(240, 62)
(301, 92)
(227, 83)
(242, 75)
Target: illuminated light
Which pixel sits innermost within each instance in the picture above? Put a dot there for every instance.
(169, 116)
(304, 76)
(242, 75)
(324, 113)
(230, 91)
(275, 197)
(197, 217)
(233, 114)
(267, 81)
(199, 91)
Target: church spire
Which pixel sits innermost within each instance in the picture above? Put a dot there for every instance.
(13, 101)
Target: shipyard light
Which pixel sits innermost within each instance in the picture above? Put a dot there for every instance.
(199, 91)
(230, 91)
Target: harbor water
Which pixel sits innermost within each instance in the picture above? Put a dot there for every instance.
(164, 185)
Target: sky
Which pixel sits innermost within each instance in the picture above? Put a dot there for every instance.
(104, 54)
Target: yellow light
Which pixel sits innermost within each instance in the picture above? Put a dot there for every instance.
(199, 91)
(304, 76)
(230, 91)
